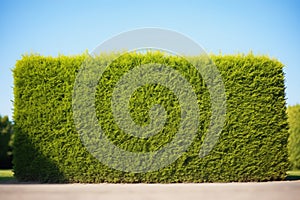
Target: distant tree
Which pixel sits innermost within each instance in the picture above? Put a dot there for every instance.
(6, 134)
(294, 138)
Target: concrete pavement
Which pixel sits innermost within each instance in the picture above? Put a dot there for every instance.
(225, 191)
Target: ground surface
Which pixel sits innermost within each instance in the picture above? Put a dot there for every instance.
(224, 191)
(10, 188)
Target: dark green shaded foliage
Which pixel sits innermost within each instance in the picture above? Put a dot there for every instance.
(6, 137)
(294, 138)
(252, 145)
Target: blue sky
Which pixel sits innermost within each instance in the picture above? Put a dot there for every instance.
(52, 27)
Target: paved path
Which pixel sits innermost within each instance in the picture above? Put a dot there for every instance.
(289, 190)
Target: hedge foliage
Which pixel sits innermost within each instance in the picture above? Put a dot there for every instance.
(251, 147)
(294, 138)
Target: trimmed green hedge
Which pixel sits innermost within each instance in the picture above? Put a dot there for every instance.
(251, 147)
(294, 139)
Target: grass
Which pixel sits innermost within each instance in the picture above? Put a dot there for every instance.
(7, 176)
(293, 175)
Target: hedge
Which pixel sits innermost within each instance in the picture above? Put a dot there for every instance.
(252, 145)
(294, 138)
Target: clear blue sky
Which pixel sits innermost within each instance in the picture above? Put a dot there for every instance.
(52, 27)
